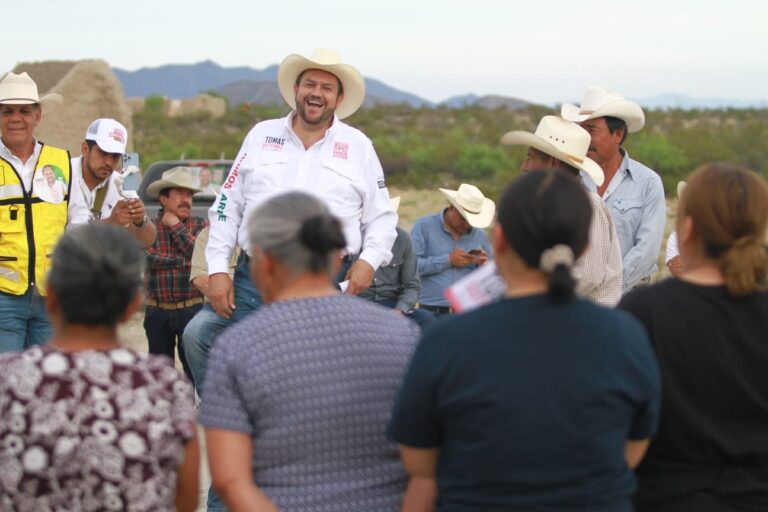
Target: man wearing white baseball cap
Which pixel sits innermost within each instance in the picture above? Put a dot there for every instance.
(32, 218)
(95, 192)
(561, 144)
(633, 192)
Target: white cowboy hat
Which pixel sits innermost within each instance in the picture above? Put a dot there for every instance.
(602, 102)
(176, 177)
(395, 202)
(22, 90)
(680, 188)
(564, 140)
(477, 209)
(326, 60)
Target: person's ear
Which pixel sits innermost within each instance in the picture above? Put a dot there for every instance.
(686, 231)
(132, 307)
(84, 148)
(498, 240)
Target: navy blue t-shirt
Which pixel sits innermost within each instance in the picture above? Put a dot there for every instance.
(530, 404)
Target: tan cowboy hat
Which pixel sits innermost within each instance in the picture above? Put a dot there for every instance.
(177, 177)
(602, 102)
(477, 209)
(395, 202)
(564, 140)
(22, 90)
(326, 60)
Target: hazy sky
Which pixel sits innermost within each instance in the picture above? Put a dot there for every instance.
(543, 51)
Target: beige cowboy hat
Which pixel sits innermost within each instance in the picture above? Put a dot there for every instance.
(477, 209)
(20, 89)
(177, 177)
(602, 102)
(395, 202)
(326, 60)
(561, 139)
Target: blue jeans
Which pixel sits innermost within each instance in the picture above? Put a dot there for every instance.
(421, 317)
(201, 333)
(23, 321)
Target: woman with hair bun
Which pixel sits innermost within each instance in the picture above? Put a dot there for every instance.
(542, 401)
(297, 394)
(709, 329)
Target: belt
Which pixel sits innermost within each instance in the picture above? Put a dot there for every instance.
(443, 310)
(174, 305)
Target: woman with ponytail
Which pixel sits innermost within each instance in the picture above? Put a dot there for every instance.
(297, 394)
(710, 332)
(542, 401)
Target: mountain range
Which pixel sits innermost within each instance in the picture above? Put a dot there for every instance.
(248, 85)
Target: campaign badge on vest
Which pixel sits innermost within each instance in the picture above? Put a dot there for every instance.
(49, 184)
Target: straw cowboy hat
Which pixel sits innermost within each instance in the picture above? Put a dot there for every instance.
(476, 209)
(602, 102)
(326, 60)
(22, 90)
(177, 177)
(395, 202)
(561, 139)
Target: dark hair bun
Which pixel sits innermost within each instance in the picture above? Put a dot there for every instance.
(321, 234)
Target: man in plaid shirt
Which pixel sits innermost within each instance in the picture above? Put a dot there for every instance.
(171, 300)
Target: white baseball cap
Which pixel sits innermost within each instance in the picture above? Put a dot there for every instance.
(111, 136)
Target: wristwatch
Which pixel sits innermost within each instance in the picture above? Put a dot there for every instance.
(143, 223)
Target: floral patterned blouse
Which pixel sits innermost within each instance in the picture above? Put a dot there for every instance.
(91, 430)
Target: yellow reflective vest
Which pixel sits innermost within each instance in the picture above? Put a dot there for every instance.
(32, 222)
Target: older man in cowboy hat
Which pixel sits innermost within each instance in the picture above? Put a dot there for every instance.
(172, 301)
(561, 144)
(32, 217)
(633, 192)
(95, 183)
(451, 243)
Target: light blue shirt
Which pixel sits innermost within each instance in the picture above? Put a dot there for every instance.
(635, 197)
(433, 243)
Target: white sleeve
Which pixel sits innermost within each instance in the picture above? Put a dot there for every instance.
(226, 214)
(378, 220)
(672, 250)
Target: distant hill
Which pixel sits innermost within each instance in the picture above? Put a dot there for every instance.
(681, 101)
(490, 101)
(180, 81)
(240, 84)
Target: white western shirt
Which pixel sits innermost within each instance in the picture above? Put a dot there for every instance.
(81, 198)
(26, 169)
(342, 169)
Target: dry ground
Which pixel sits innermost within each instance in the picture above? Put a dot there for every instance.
(413, 204)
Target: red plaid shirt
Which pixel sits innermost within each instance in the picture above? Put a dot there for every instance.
(170, 258)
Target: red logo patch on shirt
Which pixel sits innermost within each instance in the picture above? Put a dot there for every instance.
(340, 150)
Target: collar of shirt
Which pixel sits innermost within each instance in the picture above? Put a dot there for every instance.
(289, 128)
(26, 169)
(623, 172)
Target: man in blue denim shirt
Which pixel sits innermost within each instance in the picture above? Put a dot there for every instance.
(450, 244)
(633, 192)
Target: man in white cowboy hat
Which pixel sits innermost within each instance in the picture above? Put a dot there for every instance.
(561, 144)
(95, 194)
(633, 192)
(311, 150)
(451, 243)
(172, 301)
(31, 217)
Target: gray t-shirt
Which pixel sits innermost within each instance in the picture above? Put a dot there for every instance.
(313, 381)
